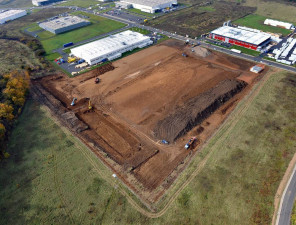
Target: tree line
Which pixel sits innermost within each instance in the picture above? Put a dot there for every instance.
(14, 88)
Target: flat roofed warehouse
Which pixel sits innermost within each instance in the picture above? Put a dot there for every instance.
(242, 36)
(111, 47)
(64, 24)
(11, 15)
(150, 6)
(44, 2)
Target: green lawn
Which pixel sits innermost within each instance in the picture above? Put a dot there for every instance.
(246, 50)
(99, 26)
(140, 30)
(257, 22)
(206, 9)
(138, 11)
(51, 178)
(80, 3)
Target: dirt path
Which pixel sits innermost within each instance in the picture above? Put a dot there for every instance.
(281, 188)
(229, 124)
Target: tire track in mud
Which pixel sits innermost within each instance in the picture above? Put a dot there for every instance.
(228, 124)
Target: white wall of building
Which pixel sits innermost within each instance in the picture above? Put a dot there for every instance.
(111, 47)
(11, 15)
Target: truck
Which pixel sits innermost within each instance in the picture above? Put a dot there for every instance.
(81, 65)
(68, 44)
(190, 143)
(81, 61)
(236, 50)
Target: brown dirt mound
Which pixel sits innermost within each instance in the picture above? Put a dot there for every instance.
(196, 110)
(201, 52)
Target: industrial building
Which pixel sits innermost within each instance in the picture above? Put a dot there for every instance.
(150, 6)
(111, 47)
(277, 23)
(63, 24)
(11, 15)
(44, 2)
(242, 36)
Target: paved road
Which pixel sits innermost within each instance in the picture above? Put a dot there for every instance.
(287, 201)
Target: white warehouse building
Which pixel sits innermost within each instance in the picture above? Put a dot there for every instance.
(150, 6)
(277, 23)
(111, 47)
(11, 15)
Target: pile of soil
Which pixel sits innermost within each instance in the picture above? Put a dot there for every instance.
(194, 111)
(201, 52)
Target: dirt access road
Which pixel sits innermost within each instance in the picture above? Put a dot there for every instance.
(152, 95)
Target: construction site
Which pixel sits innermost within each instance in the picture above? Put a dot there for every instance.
(146, 115)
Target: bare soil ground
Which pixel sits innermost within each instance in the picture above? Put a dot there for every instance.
(152, 95)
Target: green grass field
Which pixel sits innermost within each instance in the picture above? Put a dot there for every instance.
(99, 26)
(80, 3)
(274, 9)
(257, 22)
(246, 50)
(51, 178)
(139, 12)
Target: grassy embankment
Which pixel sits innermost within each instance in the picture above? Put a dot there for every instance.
(50, 179)
(257, 22)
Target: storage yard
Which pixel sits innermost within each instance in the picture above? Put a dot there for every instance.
(146, 107)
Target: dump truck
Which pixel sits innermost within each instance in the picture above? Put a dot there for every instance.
(190, 143)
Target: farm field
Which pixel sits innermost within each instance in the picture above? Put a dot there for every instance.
(134, 108)
(99, 26)
(281, 10)
(257, 22)
(50, 159)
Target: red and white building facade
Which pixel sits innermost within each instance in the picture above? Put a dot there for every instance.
(241, 36)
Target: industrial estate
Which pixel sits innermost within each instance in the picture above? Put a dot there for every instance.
(144, 101)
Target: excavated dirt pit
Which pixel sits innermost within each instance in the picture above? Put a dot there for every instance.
(151, 95)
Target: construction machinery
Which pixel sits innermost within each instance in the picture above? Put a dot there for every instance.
(97, 80)
(190, 143)
(184, 54)
(71, 59)
(73, 101)
(89, 105)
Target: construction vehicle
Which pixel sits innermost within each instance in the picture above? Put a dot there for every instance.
(81, 61)
(89, 105)
(164, 142)
(145, 20)
(97, 80)
(184, 54)
(81, 65)
(73, 101)
(190, 143)
(71, 59)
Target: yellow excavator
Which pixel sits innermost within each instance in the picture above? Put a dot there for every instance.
(89, 105)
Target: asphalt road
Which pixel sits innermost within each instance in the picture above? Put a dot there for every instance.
(287, 201)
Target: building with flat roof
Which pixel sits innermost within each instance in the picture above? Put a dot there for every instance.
(277, 23)
(11, 15)
(63, 24)
(241, 36)
(111, 47)
(44, 2)
(150, 6)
